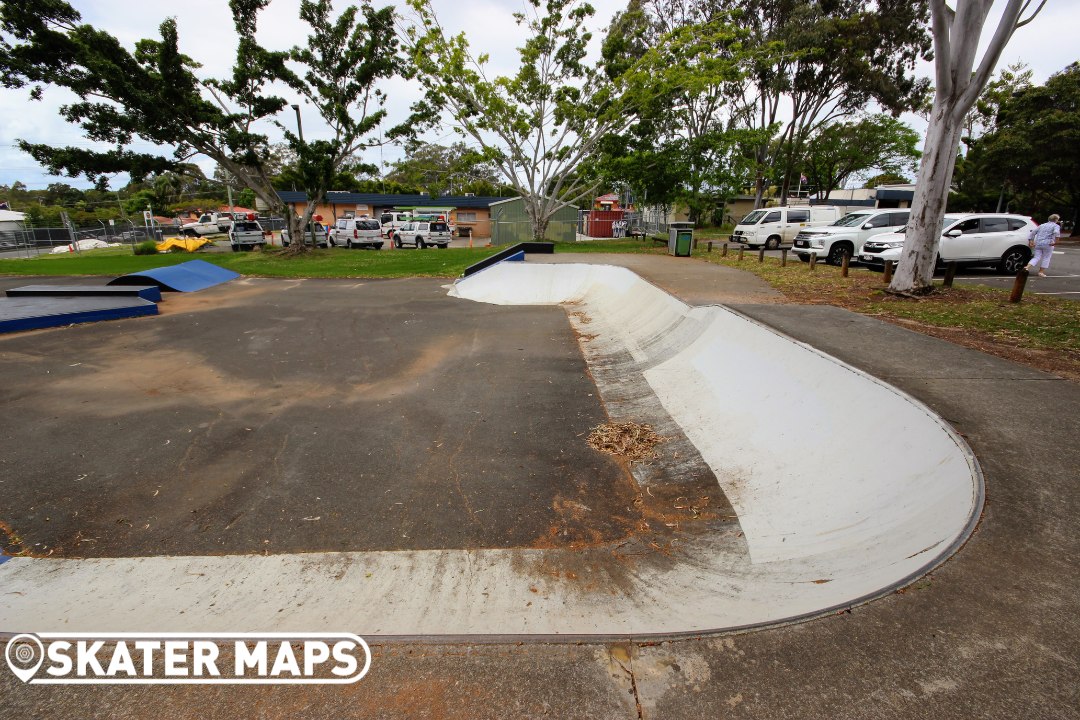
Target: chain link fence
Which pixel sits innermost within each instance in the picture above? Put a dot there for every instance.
(32, 241)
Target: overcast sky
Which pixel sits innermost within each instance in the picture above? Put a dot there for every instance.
(206, 34)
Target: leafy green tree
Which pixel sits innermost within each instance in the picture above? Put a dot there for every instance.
(438, 169)
(886, 178)
(538, 125)
(152, 94)
(840, 150)
(1034, 148)
(837, 57)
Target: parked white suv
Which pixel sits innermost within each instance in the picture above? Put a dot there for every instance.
(847, 234)
(971, 239)
(772, 226)
(360, 232)
(423, 233)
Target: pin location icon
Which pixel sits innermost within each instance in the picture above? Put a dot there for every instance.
(24, 655)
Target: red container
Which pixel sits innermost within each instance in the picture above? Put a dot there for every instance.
(599, 223)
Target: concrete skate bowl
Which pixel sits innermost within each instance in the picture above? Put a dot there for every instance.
(845, 488)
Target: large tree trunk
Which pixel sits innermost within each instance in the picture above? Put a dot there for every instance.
(915, 272)
(956, 42)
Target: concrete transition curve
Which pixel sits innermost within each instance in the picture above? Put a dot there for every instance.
(845, 488)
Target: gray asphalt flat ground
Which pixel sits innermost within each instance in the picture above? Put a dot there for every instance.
(993, 633)
(289, 416)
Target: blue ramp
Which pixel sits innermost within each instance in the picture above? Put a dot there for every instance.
(190, 276)
(34, 313)
(146, 292)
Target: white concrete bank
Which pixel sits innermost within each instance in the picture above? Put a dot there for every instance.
(827, 522)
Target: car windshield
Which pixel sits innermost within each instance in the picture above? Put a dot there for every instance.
(852, 219)
(244, 226)
(368, 225)
(753, 218)
(439, 227)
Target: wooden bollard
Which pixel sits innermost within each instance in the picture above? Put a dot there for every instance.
(710, 246)
(886, 274)
(761, 255)
(783, 257)
(741, 250)
(1018, 286)
(723, 251)
(813, 260)
(845, 260)
(950, 275)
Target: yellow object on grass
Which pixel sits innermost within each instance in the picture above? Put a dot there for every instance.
(191, 244)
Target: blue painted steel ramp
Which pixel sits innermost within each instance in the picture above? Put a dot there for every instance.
(146, 292)
(34, 313)
(191, 276)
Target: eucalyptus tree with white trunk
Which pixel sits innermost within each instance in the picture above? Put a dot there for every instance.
(956, 42)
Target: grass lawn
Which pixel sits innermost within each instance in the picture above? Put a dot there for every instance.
(334, 262)
(1040, 331)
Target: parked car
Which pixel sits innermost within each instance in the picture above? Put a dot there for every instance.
(361, 232)
(847, 234)
(993, 239)
(421, 234)
(772, 226)
(391, 222)
(246, 234)
(315, 229)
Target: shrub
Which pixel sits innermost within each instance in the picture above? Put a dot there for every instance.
(146, 247)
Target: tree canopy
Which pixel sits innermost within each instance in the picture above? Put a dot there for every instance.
(537, 125)
(152, 93)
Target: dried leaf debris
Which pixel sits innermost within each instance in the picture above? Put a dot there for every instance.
(630, 440)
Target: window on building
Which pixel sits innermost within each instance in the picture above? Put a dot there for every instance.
(466, 216)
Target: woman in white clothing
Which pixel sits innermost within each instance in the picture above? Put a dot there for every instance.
(1043, 240)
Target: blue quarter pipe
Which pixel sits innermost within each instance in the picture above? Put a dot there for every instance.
(190, 276)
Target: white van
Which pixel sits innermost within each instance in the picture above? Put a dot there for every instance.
(772, 226)
(361, 232)
(392, 220)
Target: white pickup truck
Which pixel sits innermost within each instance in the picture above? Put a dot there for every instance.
(246, 234)
(208, 224)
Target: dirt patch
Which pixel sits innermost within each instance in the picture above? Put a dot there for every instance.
(236, 293)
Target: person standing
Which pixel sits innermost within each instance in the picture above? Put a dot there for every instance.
(1043, 241)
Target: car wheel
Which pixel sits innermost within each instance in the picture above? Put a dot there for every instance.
(836, 254)
(397, 241)
(236, 248)
(377, 246)
(772, 243)
(1014, 260)
(284, 243)
(805, 258)
(348, 244)
(442, 247)
(420, 243)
